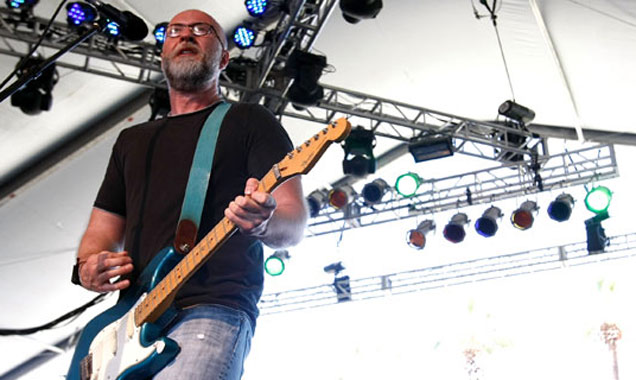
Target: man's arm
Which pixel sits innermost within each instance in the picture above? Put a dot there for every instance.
(278, 219)
(99, 259)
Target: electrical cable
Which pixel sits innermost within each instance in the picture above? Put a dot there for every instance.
(20, 65)
(49, 325)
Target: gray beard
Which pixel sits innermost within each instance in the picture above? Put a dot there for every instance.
(189, 75)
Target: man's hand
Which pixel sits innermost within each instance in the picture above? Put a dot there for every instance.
(98, 270)
(252, 211)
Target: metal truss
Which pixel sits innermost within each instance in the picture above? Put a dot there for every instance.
(262, 79)
(459, 273)
(477, 187)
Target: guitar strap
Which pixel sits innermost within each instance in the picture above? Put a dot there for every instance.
(197, 186)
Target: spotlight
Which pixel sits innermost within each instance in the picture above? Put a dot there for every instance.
(316, 200)
(35, 96)
(417, 238)
(454, 230)
(306, 69)
(21, 4)
(256, 8)
(373, 192)
(79, 13)
(522, 217)
(598, 199)
(431, 148)
(596, 238)
(486, 226)
(358, 147)
(407, 184)
(561, 208)
(244, 37)
(334, 268)
(160, 33)
(112, 30)
(355, 10)
(275, 263)
(516, 112)
(341, 196)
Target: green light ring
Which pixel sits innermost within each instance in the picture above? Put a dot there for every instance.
(415, 177)
(608, 196)
(268, 269)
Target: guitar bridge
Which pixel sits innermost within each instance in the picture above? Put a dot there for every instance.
(86, 367)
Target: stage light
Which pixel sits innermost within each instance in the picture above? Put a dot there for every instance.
(305, 68)
(598, 199)
(560, 209)
(358, 146)
(373, 192)
(244, 37)
(256, 8)
(407, 184)
(431, 148)
(275, 263)
(78, 13)
(516, 112)
(454, 230)
(316, 200)
(341, 196)
(36, 96)
(417, 238)
(355, 10)
(596, 238)
(522, 217)
(112, 29)
(160, 33)
(486, 226)
(21, 4)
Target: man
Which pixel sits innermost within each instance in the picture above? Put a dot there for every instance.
(139, 203)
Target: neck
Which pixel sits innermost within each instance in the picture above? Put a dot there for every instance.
(185, 102)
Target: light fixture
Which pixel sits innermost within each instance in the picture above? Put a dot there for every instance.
(36, 96)
(522, 217)
(431, 148)
(598, 199)
(560, 209)
(305, 68)
(341, 196)
(407, 184)
(454, 230)
(316, 200)
(21, 4)
(355, 10)
(334, 268)
(358, 146)
(160, 33)
(244, 36)
(78, 13)
(374, 191)
(417, 238)
(112, 30)
(596, 238)
(275, 263)
(256, 8)
(486, 226)
(516, 112)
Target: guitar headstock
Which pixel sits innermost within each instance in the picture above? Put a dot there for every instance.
(305, 156)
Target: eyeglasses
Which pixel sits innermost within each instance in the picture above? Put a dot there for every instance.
(199, 29)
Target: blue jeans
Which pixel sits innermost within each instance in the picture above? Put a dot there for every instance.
(214, 341)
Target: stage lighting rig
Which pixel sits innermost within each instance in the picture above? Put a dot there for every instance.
(374, 191)
(275, 263)
(454, 230)
(355, 10)
(416, 238)
(341, 196)
(358, 147)
(598, 199)
(317, 200)
(244, 36)
(560, 209)
(516, 112)
(159, 33)
(523, 218)
(407, 184)
(430, 148)
(486, 226)
(36, 96)
(305, 68)
(24, 5)
(596, 238)
(267, 9)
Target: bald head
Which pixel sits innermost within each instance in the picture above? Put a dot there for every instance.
(192, 16)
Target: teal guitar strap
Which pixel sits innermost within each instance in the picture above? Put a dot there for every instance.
(197, 187)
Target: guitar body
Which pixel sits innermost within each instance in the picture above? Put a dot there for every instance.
(112, 347)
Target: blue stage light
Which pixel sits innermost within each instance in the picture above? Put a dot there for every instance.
(21, 4)
(113, 29)
(486, 226)
(160, 33)
(79, 13)
(256, 8)
(244, 37)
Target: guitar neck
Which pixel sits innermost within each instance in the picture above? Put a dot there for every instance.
(161, 296)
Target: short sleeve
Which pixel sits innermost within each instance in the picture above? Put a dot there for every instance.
(111, 196)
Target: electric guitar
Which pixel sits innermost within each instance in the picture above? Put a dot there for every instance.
(125, 342)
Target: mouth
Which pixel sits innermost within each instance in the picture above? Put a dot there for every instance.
(187, 51)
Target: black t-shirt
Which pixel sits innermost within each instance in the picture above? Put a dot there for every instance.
(145, 183)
